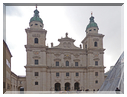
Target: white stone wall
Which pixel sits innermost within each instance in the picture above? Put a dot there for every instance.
(65, 51)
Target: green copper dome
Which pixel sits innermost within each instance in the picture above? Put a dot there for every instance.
(92, 23)
(36, 17)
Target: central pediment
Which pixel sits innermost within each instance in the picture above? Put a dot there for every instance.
(66, 43)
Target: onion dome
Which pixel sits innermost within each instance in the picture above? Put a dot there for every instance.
(36, 17)
(92, 23)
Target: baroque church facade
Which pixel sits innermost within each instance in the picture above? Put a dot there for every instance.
(63, 67)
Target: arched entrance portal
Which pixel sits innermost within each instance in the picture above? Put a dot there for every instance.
(67, 86)
(57, 87)
(21, 88)
(76, 86)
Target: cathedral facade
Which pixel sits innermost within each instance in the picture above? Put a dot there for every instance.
(63, 67)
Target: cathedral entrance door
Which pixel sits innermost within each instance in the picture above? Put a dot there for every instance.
(57, 87)
(76, 86)
(67, 86)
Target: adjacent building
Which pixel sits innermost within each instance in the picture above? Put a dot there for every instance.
(11, 82)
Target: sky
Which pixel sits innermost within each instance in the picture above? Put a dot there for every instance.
(61, 19)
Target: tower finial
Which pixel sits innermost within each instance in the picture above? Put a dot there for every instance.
(91, 13)
(36, 6)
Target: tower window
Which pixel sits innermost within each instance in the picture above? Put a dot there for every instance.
(36, 83)
(67, 63)
(95, 44)
(94, 29)
(77, 74)
(67, 74)
(31, 25)
(36, 73)
(36, 62)
(96, 81)
(85, 46)
(57, 63)
(36, 24)
(57, 74)
(35, 40)
(40, 25)
(90, 30)
(96, 73)
(76, 63)
(96, 63)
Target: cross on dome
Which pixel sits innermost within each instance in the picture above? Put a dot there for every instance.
(36, 6)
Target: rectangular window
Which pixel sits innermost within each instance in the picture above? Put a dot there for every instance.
(36, 74)
(57, 74)
(76, 63)
(67, 74)
(36, 62)
(67, 63)
(96, 73)
(57, 63)
(96, 63)
(77, 74)
(36, 83)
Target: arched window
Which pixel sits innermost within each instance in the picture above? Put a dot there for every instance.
(95, 44)
(96, 81)
(67, 63)
(35, 40)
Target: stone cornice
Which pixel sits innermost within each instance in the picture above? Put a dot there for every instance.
(95, 67)
(33, 47)
(35, 66)
(66, 39)
(93, 35)
(91, 50)
(76, 60)
(60, 50)
(28, 30)
(65, 67)
(57, 59)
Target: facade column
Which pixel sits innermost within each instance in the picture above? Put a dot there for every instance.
(48, 81)
(44, 79)
(81, 82)
(72, 81)
(52, 82)
(62, 82)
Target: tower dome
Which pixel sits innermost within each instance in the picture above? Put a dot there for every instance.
(91, 23)
(36, 17)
